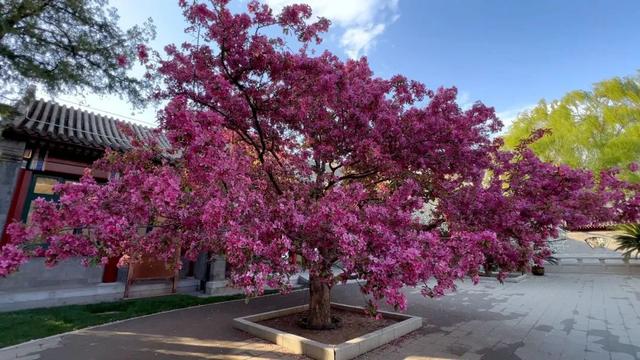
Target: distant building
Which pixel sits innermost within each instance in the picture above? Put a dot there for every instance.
(48, 143)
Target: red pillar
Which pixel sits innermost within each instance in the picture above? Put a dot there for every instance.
(17, 201)
(110, 273)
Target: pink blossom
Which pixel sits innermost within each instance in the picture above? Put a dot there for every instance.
(11, 257)
(143, 53)
(122, 60)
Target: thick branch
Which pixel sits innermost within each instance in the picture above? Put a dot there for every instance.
(254, 115)
(353, 176)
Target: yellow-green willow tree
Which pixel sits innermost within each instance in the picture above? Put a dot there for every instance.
(595, 129)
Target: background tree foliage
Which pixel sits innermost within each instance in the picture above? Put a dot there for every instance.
(594, 129)
(68, 46)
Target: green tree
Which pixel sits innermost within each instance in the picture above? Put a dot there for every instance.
(595, 129)
(68, 46)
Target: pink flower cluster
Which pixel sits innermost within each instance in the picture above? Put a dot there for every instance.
(283, 160)
(11, 257)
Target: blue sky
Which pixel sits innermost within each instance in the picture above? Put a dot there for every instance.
(506, 53)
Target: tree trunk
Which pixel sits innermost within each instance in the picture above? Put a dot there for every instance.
(489, 266)
(319, 304)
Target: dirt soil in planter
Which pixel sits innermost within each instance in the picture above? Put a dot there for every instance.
(354, 324)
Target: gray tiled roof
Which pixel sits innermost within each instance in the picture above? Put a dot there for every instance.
(52, 121)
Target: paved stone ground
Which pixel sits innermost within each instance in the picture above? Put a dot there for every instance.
(558, 316)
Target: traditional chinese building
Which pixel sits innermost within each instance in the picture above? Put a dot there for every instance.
(46, 143)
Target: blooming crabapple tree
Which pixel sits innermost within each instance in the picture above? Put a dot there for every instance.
(525, 201)
(283, 159)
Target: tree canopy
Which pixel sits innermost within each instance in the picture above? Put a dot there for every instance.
(596, 130)
(68, 45)
(282, 158)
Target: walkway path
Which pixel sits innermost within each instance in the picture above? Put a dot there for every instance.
(558, 316)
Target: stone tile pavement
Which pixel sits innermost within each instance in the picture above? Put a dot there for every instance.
(558, 316)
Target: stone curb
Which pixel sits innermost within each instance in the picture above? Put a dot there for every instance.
(317, 350)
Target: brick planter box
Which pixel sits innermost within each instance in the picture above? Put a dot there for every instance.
(317, 350)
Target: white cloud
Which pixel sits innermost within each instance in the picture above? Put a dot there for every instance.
(509, 115)
(464, 100)
(361, 21)
(357, 41)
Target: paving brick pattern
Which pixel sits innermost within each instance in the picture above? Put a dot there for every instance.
(558, 316)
